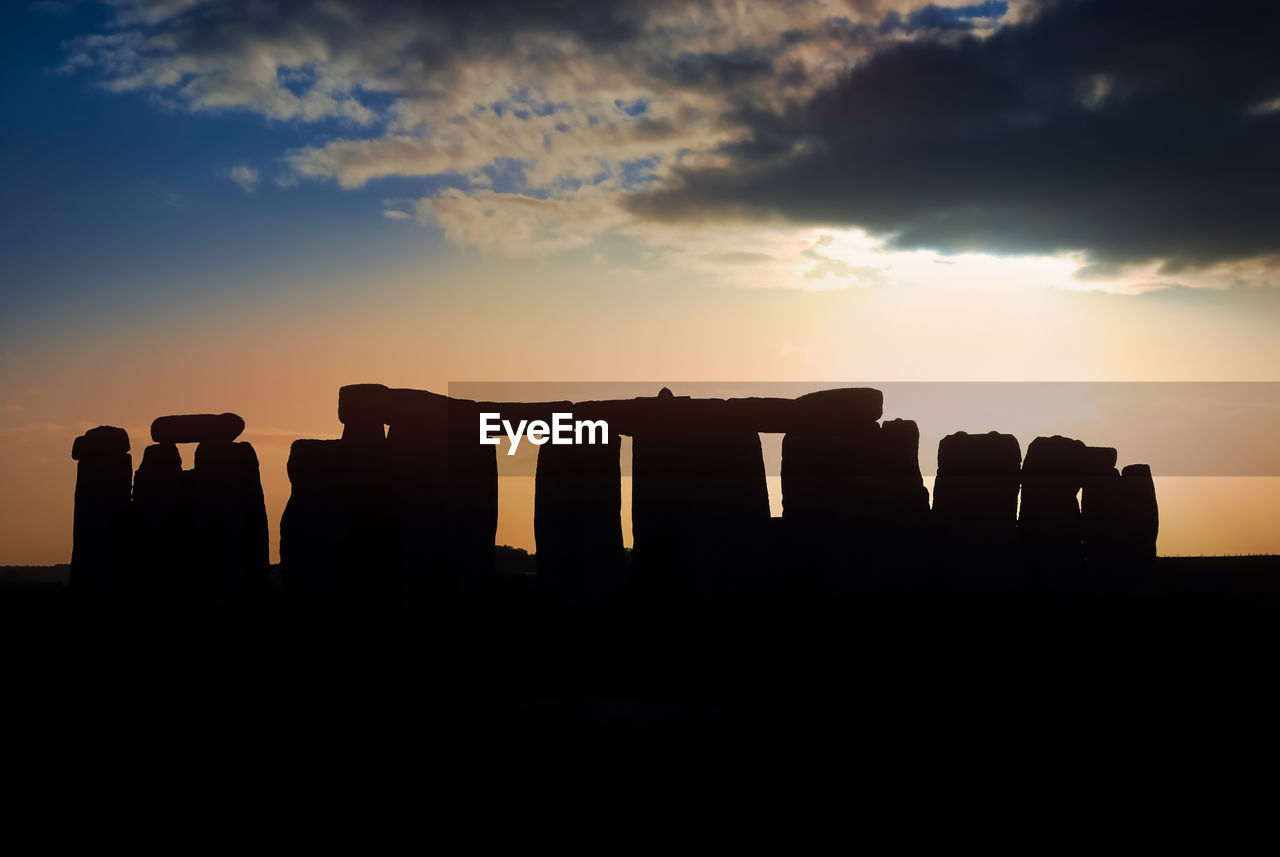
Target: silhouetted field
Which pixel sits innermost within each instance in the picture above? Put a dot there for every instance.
(1037, 723)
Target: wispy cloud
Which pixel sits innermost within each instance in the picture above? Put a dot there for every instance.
(245, 176)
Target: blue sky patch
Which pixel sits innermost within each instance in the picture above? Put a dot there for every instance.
(632, 108)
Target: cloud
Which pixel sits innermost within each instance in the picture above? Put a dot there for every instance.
(1125, 131)
(246, 177)
(307, 61)
(448, 86)
(1122, 134)
(515, 224)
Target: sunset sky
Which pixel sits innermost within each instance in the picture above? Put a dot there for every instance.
(240, 205)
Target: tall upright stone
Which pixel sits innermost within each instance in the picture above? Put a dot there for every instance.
(1141, 513)
(162, 521)
(229, 529)
(318, 552)
(444, 496)
(901, 509)
(1056, 469)
(828, 456)
(826, 476)
(100, 531)
(975, 496)
(1120, 517)
(373, 565)
(700, 504)
(1048, 514)
(577, 523)
(832, 464)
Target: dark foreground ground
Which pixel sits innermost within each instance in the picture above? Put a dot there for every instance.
(1035, 724)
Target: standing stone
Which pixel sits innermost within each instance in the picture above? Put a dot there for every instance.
(1100, 515)
(826, 473)
(829, 458)
(829, 467)
(1141, 514)
(854, 502)
(162, 526)
(317, 548)
(372, 577)
(901, 508)
(577, 523)
(373, 571)
(700, 507)
(1048, 515)
(975, 496)
(229, 538)
(1120, 516)
(444, 496)
(1056, 469)
(100, 532)
(827, 503)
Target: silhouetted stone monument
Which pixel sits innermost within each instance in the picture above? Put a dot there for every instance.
(161, 526)
(975, 496)
(577, 523)
(317, 549)
(229, 525)
(403, 509)
(100, 532)
(700, 505)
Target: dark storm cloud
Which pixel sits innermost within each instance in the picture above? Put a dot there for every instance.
(598, 22)
(722, 71)
(1131, 130)
(443, 30)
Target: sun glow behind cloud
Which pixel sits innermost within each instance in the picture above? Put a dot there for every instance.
(828, 258)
